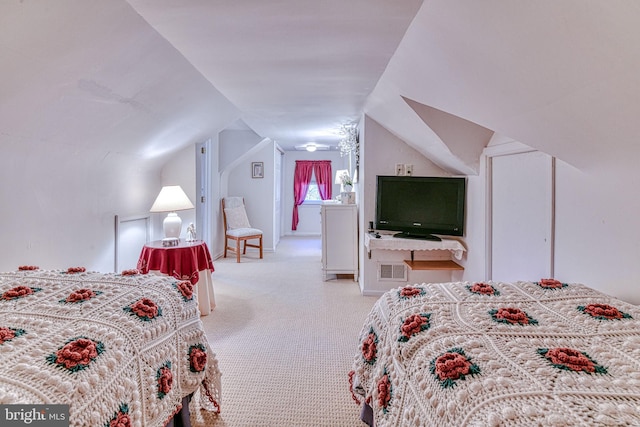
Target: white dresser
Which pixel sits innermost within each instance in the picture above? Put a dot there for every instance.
(339, 239)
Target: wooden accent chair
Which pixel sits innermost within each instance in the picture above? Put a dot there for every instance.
(237, 227)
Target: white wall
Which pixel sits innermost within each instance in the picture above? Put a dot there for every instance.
(597, 226)
(232, 156)
(234, 143)
(58, 203)
(258, 193)
(180, 170)
(597, 233)
(474, 259)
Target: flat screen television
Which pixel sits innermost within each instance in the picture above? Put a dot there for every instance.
(419, 207)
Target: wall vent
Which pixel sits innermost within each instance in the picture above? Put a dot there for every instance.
(393, 272)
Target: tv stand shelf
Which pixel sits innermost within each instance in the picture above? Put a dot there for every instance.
(446, 264)
(388, 242)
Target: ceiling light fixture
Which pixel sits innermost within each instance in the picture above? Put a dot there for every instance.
(312, 146)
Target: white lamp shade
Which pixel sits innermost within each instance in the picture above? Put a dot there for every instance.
(171, 198)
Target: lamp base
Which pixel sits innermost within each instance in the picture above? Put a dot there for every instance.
(172, 225)
(170, 241)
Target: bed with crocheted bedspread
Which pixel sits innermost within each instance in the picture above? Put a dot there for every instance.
(499, 354)
(120, 349)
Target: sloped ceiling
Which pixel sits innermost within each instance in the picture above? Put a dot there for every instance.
(297, 70)
(147, 77)
(465, 140)
(559, 76)
(96, 79)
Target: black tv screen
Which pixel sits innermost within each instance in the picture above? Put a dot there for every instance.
(418, 207)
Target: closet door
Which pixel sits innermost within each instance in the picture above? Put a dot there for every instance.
(522, 217)
(277, 200)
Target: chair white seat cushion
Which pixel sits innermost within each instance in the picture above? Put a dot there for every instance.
(243, 232)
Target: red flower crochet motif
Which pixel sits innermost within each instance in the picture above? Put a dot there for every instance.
(512, 315)
(80, 295)
(121, 420)
(186, 289)
(193, 278)
(197, 358)
(72, 270)
(131, 272)
(369, 348)
(384, 392)
(550, 283)
(145, 308)
(410, 291)
(414, 324)
(452, 366)
(79, 352)
(28, 267)
(571, 359)
(483, 288)
(17, 292)
(603, 310)
(6, 334)
(165, 380)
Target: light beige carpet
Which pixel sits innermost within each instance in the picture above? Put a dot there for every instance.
(285, 339)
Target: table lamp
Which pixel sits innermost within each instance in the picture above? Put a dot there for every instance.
(171, 199)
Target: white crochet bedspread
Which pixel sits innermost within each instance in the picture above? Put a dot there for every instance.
(85, 339)
(499, 354)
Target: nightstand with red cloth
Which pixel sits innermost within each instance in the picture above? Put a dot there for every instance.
(186, 261)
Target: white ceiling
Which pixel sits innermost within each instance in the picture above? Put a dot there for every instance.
(147, 77)
(297, 70)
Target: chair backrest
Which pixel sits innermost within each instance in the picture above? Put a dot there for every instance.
(233, 213)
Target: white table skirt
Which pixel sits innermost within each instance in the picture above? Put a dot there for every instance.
(204, 290)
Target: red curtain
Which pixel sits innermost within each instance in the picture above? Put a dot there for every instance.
(301, 179)
(322, 169)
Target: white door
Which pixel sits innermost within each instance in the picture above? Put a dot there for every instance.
(522, 217)
(203, 204)
(277, 214)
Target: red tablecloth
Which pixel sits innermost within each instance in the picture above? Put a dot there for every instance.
(187, 261)
(182, 262)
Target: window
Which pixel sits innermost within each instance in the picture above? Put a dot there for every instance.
(302, 181)
(313, 194)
